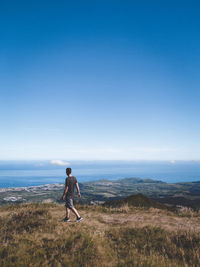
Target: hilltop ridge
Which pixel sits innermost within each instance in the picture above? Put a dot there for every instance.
(35, 235)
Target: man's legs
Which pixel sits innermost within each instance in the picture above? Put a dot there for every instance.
(69, 207)
(67, 212)
(75, 212)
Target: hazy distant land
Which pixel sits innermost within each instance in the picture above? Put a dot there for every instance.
(184, 194)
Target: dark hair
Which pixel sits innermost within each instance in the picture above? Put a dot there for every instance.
(68, 171)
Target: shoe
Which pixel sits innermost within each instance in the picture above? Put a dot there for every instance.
(79, 219)
(66, 219)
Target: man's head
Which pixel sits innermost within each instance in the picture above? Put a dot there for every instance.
(68, 171)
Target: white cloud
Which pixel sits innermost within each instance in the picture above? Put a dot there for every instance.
(59, 162)
(172, 161)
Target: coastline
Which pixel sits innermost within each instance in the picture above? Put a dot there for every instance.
(103, 190)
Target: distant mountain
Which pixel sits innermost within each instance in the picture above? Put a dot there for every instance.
(139, 180)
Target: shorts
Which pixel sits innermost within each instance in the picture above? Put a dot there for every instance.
(69, 203)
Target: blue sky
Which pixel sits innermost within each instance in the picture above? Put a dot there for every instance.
(100, 80)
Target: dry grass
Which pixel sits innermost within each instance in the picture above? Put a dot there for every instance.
(35, 235)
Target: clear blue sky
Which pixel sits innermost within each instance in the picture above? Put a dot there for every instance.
(100, 80)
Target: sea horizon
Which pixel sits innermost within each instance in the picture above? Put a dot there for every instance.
(20, 173)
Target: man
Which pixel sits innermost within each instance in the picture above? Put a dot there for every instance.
(68, 195)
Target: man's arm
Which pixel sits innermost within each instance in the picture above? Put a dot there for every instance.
(78, 189)
(65, 192)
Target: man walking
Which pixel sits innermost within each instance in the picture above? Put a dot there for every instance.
(68, 195)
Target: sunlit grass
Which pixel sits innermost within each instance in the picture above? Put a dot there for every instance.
(34, 235)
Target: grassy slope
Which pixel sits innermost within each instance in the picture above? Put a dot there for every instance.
(34, 235)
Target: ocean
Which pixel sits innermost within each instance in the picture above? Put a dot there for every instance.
(32, 173)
